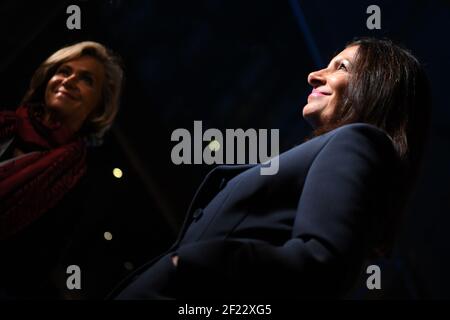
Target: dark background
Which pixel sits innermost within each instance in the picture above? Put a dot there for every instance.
(231, 64)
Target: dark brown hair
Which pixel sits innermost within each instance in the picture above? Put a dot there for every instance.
(389, 89)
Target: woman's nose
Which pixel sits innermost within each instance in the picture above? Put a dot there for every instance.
(69, 81)
(316, 78)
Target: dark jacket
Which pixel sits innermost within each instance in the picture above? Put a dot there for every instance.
(31, 266)
(303, 232)
(34, 261)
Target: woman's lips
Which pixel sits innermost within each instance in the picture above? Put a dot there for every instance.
(64, 94)
(317, 93)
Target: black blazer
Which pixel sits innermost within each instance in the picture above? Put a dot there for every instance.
(303, 232)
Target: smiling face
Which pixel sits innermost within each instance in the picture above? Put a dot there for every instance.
(74, 91)
(329, 86)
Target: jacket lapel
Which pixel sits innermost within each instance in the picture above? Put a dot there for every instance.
(214, 181)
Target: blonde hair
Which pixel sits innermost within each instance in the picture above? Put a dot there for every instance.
(103, 116)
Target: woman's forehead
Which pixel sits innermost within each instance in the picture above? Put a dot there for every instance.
(348, 53)
(86, 64)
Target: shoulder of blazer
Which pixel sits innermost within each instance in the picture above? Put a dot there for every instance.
(356, 134)
(369, 131)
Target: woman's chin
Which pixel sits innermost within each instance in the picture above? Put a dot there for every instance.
(311, 118)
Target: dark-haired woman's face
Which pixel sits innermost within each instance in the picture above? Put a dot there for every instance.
(329, 86)
(75, 90)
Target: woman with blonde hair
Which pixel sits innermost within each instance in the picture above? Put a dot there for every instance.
(72, 101)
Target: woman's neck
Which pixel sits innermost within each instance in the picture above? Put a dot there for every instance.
(50, 118)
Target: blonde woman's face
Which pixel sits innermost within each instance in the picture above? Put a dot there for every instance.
(329, 86)
(75, 90)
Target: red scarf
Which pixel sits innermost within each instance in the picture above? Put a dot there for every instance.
(35, 182)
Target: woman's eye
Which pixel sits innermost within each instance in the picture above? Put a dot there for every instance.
(342, 66)
(88, 80)
(63, 71)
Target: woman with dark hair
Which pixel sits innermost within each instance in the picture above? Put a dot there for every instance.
(335, 201)
(72, 101)
(390, 90)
